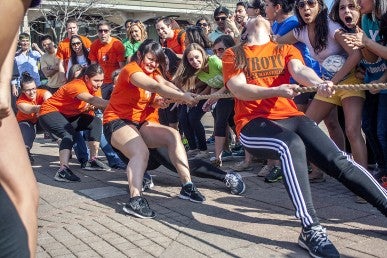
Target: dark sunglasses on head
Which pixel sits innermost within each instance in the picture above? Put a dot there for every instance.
(202, 24)
(76, 43)
(223, 18)
(310, 3)
(104, 31)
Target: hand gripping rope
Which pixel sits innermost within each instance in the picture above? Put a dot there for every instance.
(361, 86)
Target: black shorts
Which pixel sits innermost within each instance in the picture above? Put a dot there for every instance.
(111, 127)
(304, 98)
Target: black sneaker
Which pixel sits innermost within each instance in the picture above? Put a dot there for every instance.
(96, 164)
(147, 182)
(235, 182)
(190, 192)
(315, 240)
(66, 175)
(274, 175)
(138, 206)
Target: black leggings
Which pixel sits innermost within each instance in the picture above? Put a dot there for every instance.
(293, 141)
(66, 127)
(13, 235)
(224, 115)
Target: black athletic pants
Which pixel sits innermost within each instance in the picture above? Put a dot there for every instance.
(298, 139)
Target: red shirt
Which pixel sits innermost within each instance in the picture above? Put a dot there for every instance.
(33, 118)
(176, 43)
(267, 67)
(66, 102)
(108, 56)
(129, 101)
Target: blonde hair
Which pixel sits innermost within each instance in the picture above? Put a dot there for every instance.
(141, 26)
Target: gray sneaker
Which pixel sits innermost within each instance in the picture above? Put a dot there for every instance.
(66, 175)
(190, 192)
(235, 182)
(315, 240)
(96, 164)
(138, 206)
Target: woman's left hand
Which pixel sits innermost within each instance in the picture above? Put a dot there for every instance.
(160, 102)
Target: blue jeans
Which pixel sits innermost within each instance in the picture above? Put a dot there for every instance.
(82, 152)
(370, 125)
(28, 131)
(189, 119)
(80, 148)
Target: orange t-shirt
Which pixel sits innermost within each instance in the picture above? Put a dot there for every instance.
(267, 67)
(33, 118)
(129, 101)
(176, 43)
(66, 102)
(64, 49)
(108, 56)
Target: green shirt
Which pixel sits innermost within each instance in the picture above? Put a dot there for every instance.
(130, 48)
(214, 77)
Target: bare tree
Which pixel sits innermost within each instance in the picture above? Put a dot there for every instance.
(56, 13)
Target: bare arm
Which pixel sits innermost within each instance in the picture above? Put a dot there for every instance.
(354, 57)
(62, 70)
(288, 38)
(92, 100)
(302, 74)
(28, 108)
(242, 90)
(160, 86)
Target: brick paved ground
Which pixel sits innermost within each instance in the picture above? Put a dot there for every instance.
(86, 219)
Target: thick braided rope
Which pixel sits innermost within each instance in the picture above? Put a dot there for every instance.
(362, 86)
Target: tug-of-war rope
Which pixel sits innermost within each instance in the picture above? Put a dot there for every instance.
(360, 86)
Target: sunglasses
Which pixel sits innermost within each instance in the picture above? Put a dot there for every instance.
(310, 3)
(223, 18)
(76, 43)
(103, 31)
(218, 50)
(202, 24)
(30, 90)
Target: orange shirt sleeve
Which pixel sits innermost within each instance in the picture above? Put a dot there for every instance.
(228, 66)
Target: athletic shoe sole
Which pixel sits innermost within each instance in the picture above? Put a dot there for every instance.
(303, 245)
(131, 212)
(60, 179)
(189, 198)
(96, 169)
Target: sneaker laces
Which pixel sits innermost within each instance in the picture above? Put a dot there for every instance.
(139, 203)
(231, 180)
(319, 236)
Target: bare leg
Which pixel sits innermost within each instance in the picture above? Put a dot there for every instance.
(353, 107)
(156, 135)
(93, 147)
(18, 180)
(64, 156)
(128, 140)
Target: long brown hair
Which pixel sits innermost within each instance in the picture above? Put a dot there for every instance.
(186, 75)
